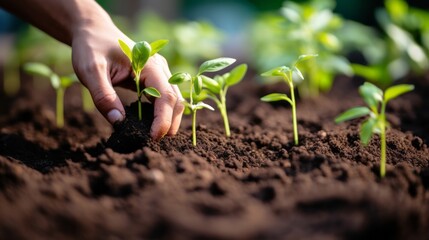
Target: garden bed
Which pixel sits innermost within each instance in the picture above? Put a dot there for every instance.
(77, 183)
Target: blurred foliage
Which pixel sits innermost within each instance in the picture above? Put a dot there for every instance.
(301, 28)
(403, 48)
(189, 42)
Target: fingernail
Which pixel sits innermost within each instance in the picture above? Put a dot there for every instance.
(115, 116)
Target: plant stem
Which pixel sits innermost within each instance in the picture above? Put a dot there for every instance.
(292, 96)
(194, 130)
(60, 108)
(383, 140)
(137, 80)
(223, 112)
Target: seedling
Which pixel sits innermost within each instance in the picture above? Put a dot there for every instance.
(287, 74)
(217, 88)
(196, 87)
(376, 110)
(59, 83)
(139, 54)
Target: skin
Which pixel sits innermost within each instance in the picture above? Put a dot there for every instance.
(98, 60)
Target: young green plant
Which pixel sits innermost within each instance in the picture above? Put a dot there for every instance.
(217, 88)
(196, 87)
(287, 74)
(138, 55)
(376, 111)
(59, 83)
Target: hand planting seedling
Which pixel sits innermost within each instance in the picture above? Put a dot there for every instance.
(196, 86)
(139, 54)
(376, 110)
(60, 84)
(217, 88)
(287, 74)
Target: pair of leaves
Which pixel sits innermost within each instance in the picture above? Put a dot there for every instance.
(214, 85)
(140, 52)
(284, 70)
(42, 70)
(372, 95)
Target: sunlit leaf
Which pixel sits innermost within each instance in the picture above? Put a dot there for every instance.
(179, 77)
(236, 75)
(273, 97)
(352, 113)
(298, 72)
(126, 49)
(215, 65)
(397, 90)
(140, 54)
(38, 69)
(157, 46)
(366, 130)
(371, 94)
(151, 91)
(211, 84)
(202, 105)
(275, 72)
(198, 84)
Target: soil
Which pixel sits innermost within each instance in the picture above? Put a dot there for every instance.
(91, 181)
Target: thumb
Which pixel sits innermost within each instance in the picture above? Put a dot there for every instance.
(104, 96)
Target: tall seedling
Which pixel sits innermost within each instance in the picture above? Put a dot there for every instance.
(139, 54)
(59, 83)
(376, 111)
(287, 74)
(196, 87)
(217, 88)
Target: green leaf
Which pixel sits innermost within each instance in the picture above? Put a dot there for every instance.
(236, 75)
(352, 113)
(126, 49)
(67, 81)
(298, 72)
(198, 84)
(211, 84)
(273, 97)
(140, 54)
(151, 91)
(366, 130)
(179, 77)
(291, 14)
(305, 57)
(371, 94)
(55, 81)
(202, 105)
(397, 90)
(276, 72)
(215, 65)
(38, 69)
(157, 46)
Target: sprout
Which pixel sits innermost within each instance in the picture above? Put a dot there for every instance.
(196, 87)
(138, 55)
(376, 111)
(60, 84)
(217, 88)
(287, 74)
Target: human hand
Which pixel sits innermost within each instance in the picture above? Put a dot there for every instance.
(100, 64)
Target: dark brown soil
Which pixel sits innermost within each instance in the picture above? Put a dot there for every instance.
(81, 183)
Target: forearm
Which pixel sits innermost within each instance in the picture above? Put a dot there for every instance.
(59, 18)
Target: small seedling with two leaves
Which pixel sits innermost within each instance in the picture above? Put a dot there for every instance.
(138, 54)
(217, 89)
(196, 87)
(287, 74)
(376, 123)
(59, 83)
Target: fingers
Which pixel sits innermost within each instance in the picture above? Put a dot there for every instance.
(168, 109)
(94, 76)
